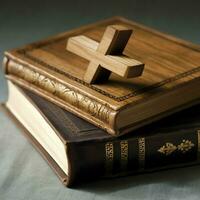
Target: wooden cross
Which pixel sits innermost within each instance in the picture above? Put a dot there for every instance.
(106, 57)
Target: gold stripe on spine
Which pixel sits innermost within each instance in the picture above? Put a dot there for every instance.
(141, 153)
(64, 92)
(109, 153)
(198, 153)
(124, 154)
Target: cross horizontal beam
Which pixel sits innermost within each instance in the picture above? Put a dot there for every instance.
(120, 64)
(106, 57)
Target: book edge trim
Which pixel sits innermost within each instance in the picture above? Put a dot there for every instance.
(58, 171)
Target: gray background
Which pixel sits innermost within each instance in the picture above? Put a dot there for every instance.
(23, 173)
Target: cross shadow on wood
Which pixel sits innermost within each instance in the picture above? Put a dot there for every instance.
(133, 87)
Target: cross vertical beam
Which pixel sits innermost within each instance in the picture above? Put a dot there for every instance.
(106, 57)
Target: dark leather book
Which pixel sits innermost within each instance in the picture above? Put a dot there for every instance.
(79, 151)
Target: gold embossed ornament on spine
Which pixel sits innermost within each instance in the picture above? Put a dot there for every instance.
(141, 153)
(169, 148)
(109, 157)
(124, 154)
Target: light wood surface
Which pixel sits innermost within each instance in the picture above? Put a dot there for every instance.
(106, 57)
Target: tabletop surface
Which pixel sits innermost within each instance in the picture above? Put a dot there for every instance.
(23, 172)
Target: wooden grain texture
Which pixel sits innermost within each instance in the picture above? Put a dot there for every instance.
(106, 57)
(170, 65)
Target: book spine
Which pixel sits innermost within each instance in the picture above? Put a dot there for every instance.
(61, 94)
(136, 155)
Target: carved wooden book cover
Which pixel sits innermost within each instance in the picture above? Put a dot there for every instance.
(116, 74)
(78, 151)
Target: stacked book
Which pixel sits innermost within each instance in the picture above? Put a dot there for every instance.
(126, 104)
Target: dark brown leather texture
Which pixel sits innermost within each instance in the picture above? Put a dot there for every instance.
(92, 153)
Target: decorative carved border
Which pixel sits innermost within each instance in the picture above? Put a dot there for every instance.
(25, 53)
(64, 92)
